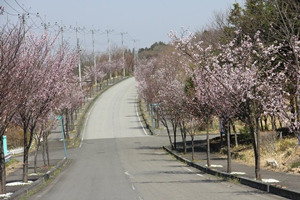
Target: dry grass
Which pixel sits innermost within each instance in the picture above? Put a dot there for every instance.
(283, 151)
(12, 165)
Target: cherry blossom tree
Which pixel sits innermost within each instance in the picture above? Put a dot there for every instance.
(47, 74)
(11, 38)
(235, 82)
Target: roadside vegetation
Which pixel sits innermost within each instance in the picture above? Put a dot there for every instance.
(239, 76)
(40, 80)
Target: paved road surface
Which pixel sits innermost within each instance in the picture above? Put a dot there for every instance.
(118, 161)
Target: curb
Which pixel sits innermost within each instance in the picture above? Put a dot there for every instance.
(143, 117)
(24, 191)
(272, 189)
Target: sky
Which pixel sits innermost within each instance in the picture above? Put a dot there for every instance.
(143, 21)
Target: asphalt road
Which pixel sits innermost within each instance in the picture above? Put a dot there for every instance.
(118, 161)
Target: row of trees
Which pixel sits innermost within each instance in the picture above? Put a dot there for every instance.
(241, 68)
(36, 83)
(39, 80)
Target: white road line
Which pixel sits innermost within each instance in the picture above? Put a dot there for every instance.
(137, 114)
(187, 169)
(127, 173)
(215, 166)
(270, 180)
(238, 173)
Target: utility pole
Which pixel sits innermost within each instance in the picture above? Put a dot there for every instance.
(109, 56)
(122, 35)
(78, 51)
(94, 55)
(23, 21)
(134, 55)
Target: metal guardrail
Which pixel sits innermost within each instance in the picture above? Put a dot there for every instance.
(7, 157)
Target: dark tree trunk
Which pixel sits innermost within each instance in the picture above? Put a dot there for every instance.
(44, 151)
(183, 135)
(193, 147)
(207, 145)
(38, 143)
(165, 123)
(2, 168)
(27, 144)
(47, 149)
(174, 126)
(25, 165)
(72, 119)
(292, 107)
(273, 122)
(261, 124)
(64, 125)
(266, 123)
(258, 171)
(280, 123)
(67, 124)
(235, 134)
(228, 150)
(255, 144)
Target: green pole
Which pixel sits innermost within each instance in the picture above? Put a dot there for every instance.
(63, 134)
(4, 145)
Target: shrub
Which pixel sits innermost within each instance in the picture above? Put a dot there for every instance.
(295, 164)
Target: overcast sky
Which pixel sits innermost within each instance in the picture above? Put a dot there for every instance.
(146, 21)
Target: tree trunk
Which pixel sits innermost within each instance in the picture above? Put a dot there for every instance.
(27, 144)
(258, 172)
(280, 123)
(165, 123)
(183, 134)
(207, 145)
(235, 134)
(255, 138)
(72, 119)
(25, 164)
(193, 149)
(174, 126)
(261, 124)
(266, 123)
(67, 124)
(44, 151)
(38, 142)
(2, 168)
(47, 149)
(273, 123)
(228, 150)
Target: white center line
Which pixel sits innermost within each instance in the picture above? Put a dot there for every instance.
(132, 187)
(187, 169)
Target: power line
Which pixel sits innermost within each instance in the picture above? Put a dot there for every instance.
(11, 7)
(21, 6)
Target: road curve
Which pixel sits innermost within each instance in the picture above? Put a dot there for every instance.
(117, 161)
